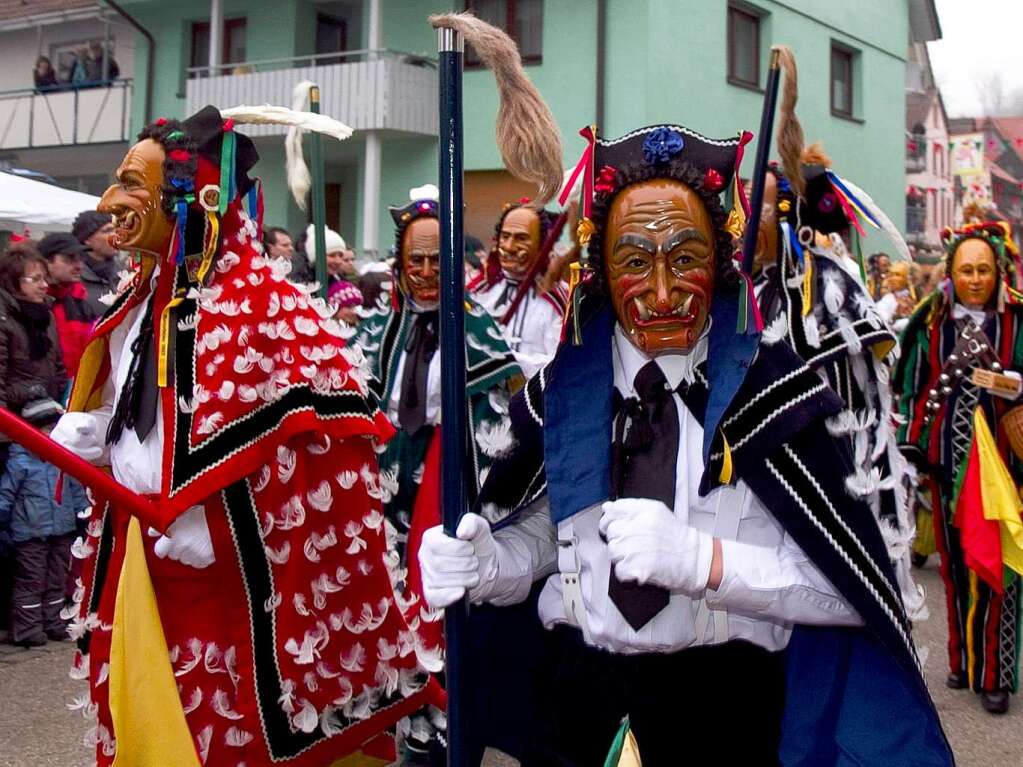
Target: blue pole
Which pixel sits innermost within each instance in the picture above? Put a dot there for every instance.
(749, 243)
(452, 349)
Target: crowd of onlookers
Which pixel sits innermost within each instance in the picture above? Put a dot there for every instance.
(89, 66)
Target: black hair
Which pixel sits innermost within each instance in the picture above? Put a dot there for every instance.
(178, 173)
(270, 235)
(726, 278)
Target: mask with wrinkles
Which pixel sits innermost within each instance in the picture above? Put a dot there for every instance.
(135, 202)
(660, 264)
(420, 262)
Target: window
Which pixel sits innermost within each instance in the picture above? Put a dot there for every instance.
(743, 47)
(232, 47)
(331, 36)
(841, 81)
(521, 19)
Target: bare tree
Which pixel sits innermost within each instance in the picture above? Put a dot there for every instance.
(996, 98)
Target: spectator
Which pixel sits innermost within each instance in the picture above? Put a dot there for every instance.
(100, 263)
(41, 530)
(79, 74)
(278, 244)
(475, 253)
(345, 298)
(43, 75)
(340, 260)
(94, 65)
(63, 254)
(376, 287)
(31, 362)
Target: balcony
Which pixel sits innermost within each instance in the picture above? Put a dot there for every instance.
(367, 90)
(31, 119)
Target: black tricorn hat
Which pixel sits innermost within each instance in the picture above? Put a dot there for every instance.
(666, 144)
(404, 215)
(820, 208)
(206, 129)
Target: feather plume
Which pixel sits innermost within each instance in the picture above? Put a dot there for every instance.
(901, 248)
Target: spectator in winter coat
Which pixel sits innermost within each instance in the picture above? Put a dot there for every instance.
(42, 531)
(100, 264)
(340, 260)
(94, 65)
(43, 75)
(75, 318)
(31, 363)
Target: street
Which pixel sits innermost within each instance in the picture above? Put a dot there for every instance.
(38, 730)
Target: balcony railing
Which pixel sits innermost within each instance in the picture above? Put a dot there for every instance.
(95, 114)
(367, 90)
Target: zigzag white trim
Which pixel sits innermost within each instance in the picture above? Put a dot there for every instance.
(834, 513)
(788, 406)
(764, 392)
(525, 396)
(831, 539)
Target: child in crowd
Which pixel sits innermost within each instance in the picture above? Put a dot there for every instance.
(345, 298)
(41, 530)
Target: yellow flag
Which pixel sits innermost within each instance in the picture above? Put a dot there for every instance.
(998, 491)
(145, 707)
(630, 752)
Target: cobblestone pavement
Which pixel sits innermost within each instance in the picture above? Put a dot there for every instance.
(38, 730)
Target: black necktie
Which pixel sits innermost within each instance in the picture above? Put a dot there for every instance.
(511, 287)
(139, 401)
(420, 347)
(643, 466)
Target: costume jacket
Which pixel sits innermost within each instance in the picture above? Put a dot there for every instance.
(288, 646)
(983, 624)
(534, 330)
(827, 317)
(410, 461)
(854, 696)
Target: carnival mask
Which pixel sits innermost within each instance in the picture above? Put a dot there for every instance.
(767, 235)
(140, 223)
(420, 262)
(518, 242)
(659, 256)
(974, 273)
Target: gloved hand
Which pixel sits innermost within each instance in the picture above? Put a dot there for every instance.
(451, 566)
(187, 540)
(81, 434)
(648, 544)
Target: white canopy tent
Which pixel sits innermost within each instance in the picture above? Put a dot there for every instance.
(38, 207)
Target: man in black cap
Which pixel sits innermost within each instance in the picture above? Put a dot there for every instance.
(100, 264)
(71, 308)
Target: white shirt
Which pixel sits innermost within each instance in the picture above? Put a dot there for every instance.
(136, 465)
(432, 389)
(768, 585)
(534, 330)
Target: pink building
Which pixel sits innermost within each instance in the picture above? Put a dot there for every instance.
(929, 186)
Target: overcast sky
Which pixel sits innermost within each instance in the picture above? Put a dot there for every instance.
(976, 43)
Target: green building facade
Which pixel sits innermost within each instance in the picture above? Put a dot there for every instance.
(687, 61)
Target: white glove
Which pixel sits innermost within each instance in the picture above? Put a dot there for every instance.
(451, 566)
(81, 434)
(187, 540)
(648, 544)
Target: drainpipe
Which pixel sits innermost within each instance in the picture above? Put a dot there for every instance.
(598, 110)
(372, 156)
(150, 58)
(216, 36)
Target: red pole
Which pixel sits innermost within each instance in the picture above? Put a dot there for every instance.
(101, 483)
